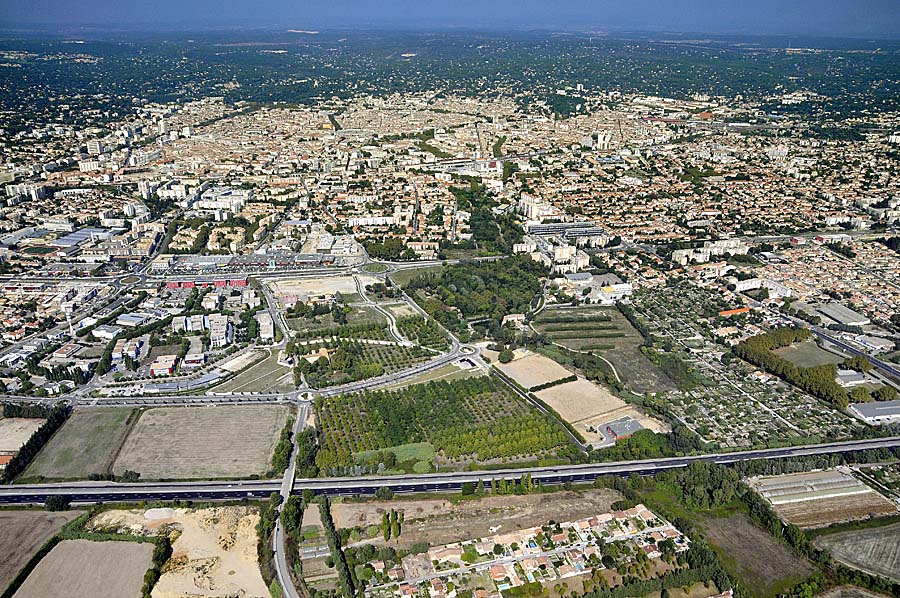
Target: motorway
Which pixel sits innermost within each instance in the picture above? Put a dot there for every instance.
(94, 492)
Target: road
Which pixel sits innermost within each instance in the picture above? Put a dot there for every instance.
(91, 492)
(287, 486)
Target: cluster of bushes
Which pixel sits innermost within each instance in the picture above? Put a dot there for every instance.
(553, 383)
(345, 576)
(162, 550)
(282, 455)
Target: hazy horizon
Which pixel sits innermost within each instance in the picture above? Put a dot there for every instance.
(825, 18)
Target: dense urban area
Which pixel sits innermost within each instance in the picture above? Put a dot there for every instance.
(316, 314)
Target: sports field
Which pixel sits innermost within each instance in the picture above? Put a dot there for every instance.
(808, 354)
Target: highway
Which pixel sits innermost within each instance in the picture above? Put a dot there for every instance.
(92, 492)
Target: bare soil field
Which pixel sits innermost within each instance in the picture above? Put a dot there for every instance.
(236, 364)
(837, 509)
(85, 569)
(441, 521)
(214, 554)
(754, 556)
(87, 443)
(532, 370)
(231, 441)
(22, 533)
(313, 286)
(15, 431)
(588, 406)
(875, 550)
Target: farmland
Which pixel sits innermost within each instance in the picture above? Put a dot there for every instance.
(357, 315)
(86, 444)
(424, 332)
(469, 420)
(533, 370)
(822, 498)
(447, 372)
(15, 431)
(188, 443)
(22, 533)
(872, 550)
(214, 553)
(606, 332)
(756, 558)
(350, 361)
(588, 407)
(86, 569)
(807, 354)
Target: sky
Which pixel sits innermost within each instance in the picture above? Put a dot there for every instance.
(834, 18)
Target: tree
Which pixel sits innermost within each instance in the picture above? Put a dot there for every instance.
(505, 356)
(57, 502)
(860, 394)
(384, 493)
(884, 393)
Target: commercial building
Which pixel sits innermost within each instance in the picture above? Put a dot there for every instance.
(877, 414)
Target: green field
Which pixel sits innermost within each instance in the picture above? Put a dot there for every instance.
(86, 444)
(447, 373)
(402, 277)
(375, 268)
(39, 250)
(265, 376)
(808, 354)
(416, 457)
(606, 332)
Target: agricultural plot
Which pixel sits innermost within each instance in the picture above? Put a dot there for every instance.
(86, 569)
(214, 554)
(808, 354)
(352, 361)
(15, 431)
(359, 315)
(589, 407)
(86, 444)
(374, 330)
(447, 373)
(754, 556)
(22, 533)
(533, 370)
(466, 421)
(822, 498)
(424, 332)
(606, 332)
(266, 376)
(874, 550)
(234, 441)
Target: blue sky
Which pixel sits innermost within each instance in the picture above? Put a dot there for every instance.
(877, 18)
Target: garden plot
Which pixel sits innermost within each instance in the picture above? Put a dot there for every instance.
(234, 441)
(86, 569)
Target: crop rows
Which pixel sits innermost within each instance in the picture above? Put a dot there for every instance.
(425, 332)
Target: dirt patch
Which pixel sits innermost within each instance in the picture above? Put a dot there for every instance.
(22, 533)
(214, 554)
(754, 556)
(588, 407)
(85, 569)
(203, 442)
(871, 550)
(838, 509)
(533, 370)
(15, 431)
(442, 522)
